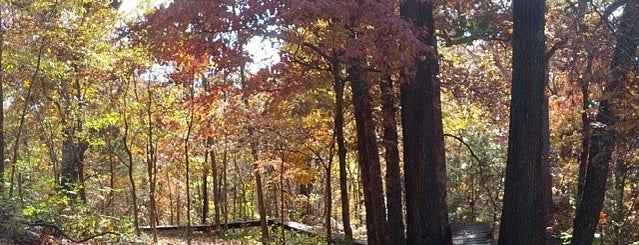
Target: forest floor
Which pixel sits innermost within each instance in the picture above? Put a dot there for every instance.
(13, 233)
(197, 239)
(163, 239)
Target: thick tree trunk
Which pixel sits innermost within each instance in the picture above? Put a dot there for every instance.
(525, 210)
(424, 159)
(602, 139)
(395, 232)
(368, 158)
(338, 87)
(72, 164)
(620, 183)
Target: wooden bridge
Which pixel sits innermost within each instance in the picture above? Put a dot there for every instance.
(462, 234)
(472, 233)
(288, 225)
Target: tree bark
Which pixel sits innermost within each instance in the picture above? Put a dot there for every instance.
(187, 163)
(2, 141)
(585, 130)
(338, 87)
(73, 150)
(368, 157)
(254, 145)
(216, 187)
(223, 186)
(620, 185)
(151, 164)
(396, 232)
(129, 164)
(205, 185)
(328, 198)
(602, 139)
(16, 144)
(424, 157)
(584, 79)
(525, 210)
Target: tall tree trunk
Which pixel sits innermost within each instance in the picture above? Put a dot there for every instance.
(178, 206)
(584, 79)
(134, 196)
(112, 176)
(329, 197)
(620, 210)
(602, 139)
(209, 154)
(338, 87)
(129, 164)
(23, 114)
(205, 185)
(216, 188)
(585, 129)
(73, 150)
(525, 210)
(260, 198)
(151, 163)
(393, 179)
(254, 145)
(224, 187)
(424, 157)
(242, 194)
(187, 163)
(171, 206)
(2, 141)
(368, 157)
(16, 144)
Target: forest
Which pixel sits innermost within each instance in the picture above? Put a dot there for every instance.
(366, 121)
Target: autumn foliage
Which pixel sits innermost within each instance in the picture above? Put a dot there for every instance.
(378, 120)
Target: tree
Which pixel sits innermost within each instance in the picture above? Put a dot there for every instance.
(129, 158)
(391, 156)
(602, 138)
(525, 210)
(424, 164)
(2, 141)
(338, 121)
(187, 161)
(368, 156)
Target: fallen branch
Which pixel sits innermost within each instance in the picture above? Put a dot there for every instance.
(63, 234)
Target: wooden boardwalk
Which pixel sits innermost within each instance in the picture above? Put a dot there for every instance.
(288, 225)
(472, 234)
(309, 230)
(208, 227)
(462, 234)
